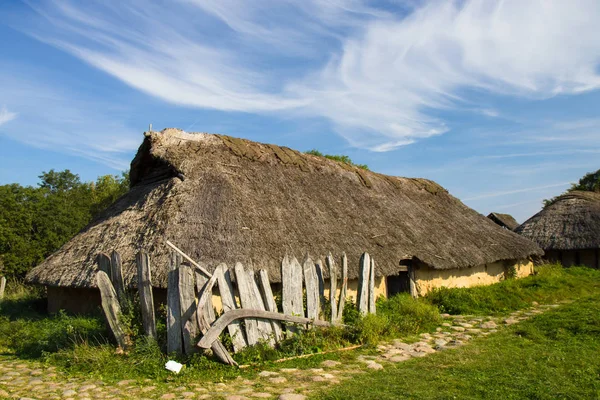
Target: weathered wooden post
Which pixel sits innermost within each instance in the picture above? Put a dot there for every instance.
(246, 293)
(145, 290)
(116, 276)
(187, 301)
(110, 305)
(291, 289)
(103, 262)
(264, 327)
(228, 301)
(344, 289)
(372, 308)
(269, 301)
(2, 286)
(332, 286)
(312, 288)
(363, 283)
(174, 337)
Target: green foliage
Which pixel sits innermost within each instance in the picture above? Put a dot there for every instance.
(338, 158)
(551, 283)
(551, 356)
(590, 182)
(35, 222)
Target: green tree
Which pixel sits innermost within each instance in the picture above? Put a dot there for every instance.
(36, 221)
(590, 182)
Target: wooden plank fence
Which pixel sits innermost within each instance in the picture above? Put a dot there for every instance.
(2, 286)
(250, 312)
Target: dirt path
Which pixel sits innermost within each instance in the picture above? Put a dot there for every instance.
(30, 380)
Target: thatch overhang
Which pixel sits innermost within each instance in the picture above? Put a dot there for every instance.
(223, 199)
(571, 222)
(504, 220)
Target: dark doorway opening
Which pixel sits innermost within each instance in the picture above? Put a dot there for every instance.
(400, 283)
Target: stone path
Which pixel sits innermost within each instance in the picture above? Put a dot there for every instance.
(21, 380)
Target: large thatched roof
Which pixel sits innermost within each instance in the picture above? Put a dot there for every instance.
(571, 222)
(223, 199)
(504, 220)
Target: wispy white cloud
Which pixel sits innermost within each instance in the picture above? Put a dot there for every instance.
(523, 190)
(6, 116)
(57, 119)
(379, 77)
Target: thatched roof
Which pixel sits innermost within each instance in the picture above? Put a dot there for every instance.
(504, 220)
(223, 199)
(571, 222)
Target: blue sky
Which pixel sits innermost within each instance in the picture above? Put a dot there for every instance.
(498, 101)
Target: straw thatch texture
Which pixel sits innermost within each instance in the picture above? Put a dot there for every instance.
(571, 222)
(504, 220)
(223, 199)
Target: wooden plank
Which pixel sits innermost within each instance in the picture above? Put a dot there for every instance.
(332, 286)
(2, 286)
(220, 324)
(344, 289)
(228, 300)
(187, 301)
(291, 289)
(174, 336)
(103, 262)
(319, 268)
(144, 280)
(269, 301)
(372, 308)
(246, 293)
(312, 288)
(208, 310)
(412, 281)
(110, 305)
(189, 259)
(117, 278)
(363, 283)
(265, 330)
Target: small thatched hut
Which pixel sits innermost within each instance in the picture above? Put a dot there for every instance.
(223, 199)
(568, 229)
(504, 220)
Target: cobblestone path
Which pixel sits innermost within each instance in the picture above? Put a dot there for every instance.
(29, 380)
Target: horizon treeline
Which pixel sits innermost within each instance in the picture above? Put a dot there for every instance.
(37, 221)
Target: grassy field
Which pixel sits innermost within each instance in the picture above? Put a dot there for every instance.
(555, 355)
(80, 345)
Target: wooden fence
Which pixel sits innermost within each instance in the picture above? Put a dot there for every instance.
(249, 310)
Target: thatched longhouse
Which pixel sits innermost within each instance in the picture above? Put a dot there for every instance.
(223, 199)
(568, 229)
(506, 221)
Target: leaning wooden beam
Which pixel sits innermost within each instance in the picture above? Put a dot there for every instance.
(228, 300)
(312, 288)
(110, 305)
(363, 283)
(344, 288)
(220, 324)
(144, 281)
(174, 338)
(332, 286)
(189, 259)
(2, 286)
(245, 292)
(269, 301)
(372, 308)
(117, 278)
(216, 346)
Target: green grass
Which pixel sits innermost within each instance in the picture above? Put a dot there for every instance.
(551, 283)
(555, 355)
